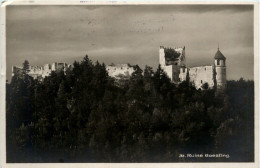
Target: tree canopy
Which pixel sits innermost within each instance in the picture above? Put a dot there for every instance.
(85, 116)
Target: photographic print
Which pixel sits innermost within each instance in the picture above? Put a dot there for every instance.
(125, 83)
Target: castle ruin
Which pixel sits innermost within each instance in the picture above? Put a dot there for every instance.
(40, 72)
(119, 70)
(172, 61)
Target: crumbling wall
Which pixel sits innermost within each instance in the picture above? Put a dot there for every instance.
(120, 69)
(172, 56)
(16, 70)
(183, 74)
(46, 70)
(172, 72)
(41, 71)
(171, 59)
(198, 76)
(169, 71)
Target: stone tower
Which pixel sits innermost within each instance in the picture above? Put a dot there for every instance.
(172, 56)
(220, 70)
(171, 60)
(162, 56)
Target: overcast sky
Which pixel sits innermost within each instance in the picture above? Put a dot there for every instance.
(131, 34)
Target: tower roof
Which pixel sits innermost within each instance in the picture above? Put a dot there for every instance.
(219, 55)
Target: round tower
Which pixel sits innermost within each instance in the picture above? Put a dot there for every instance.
(220, 68)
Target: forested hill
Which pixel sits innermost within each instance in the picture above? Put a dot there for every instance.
(87, 116)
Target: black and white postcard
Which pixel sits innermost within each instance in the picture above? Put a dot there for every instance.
(115, 83)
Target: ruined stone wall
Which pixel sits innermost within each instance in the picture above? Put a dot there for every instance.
(35, 71)
(46, 70)
(169, 71)
(41, 71)
(183, 74)
(201, 75)
(172, 72)
(179, 61)
(16, 70)
(182, 59)
(171, 65)
(118, 70)
(115, 71)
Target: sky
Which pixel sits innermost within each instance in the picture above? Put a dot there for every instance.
(131, 34)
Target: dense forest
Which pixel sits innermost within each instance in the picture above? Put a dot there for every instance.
(87, 116)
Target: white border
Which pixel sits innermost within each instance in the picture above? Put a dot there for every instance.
(126, 165)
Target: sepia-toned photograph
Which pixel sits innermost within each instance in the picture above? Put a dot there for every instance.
(146, 83)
